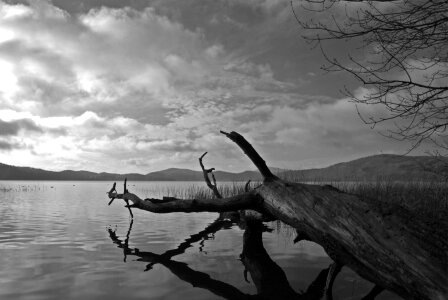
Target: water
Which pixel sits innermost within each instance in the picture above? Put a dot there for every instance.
(61, 240)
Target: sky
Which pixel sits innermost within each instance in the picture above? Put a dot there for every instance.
(140, 86)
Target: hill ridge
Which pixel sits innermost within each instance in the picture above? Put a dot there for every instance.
(385, 166)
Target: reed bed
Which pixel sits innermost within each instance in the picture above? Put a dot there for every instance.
(12, 188)
(425, 198)
(429, 198)
(192, 191)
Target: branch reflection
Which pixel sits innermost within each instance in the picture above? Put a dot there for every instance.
(269, 279)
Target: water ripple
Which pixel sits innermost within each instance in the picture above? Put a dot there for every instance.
(55, 244)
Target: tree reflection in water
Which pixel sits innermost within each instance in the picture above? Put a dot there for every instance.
(269, 279)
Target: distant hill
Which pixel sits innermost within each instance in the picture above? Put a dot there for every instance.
(8, 172)
(385, 166)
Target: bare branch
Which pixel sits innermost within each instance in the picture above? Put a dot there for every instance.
(243, 201)
(401, 58)
(125, 189)
(113, 189)
(247, 186)
(205, 172)
(251, 153)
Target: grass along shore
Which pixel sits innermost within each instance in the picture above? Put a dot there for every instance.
(428, 198)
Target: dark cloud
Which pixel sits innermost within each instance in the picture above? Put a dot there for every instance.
(14, 127)
(261, 34)
(136, 105)
(57, 131)
(137, 162)
(6, 146)
(174, 146)
(47, 93)
(19, 51)
(8, 128)
(83, 6)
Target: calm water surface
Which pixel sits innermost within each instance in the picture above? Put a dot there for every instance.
(60, 240)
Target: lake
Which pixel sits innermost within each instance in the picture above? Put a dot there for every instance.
(60, 240)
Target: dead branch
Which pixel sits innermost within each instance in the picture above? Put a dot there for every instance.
(243, 201)
(205, 172)
(383, 242)
(251, 153)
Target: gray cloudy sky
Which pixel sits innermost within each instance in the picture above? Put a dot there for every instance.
(138, 86)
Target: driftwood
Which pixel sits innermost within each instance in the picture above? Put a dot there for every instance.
(382, 242)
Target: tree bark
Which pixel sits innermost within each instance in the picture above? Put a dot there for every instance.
(383, 242)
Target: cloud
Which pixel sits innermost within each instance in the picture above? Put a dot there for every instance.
(5, 146)
(267, 6)
(59, 62)
(134, 90)
(13, 127)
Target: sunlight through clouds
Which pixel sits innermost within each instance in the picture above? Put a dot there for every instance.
(8, 79)
(154, 84)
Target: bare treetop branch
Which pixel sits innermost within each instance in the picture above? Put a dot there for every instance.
(398, 53)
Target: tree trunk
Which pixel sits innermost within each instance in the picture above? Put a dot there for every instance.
(383, 242)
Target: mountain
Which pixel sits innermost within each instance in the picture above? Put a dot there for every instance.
(8, 172)
(371, 168)
(385, 166)
(174, 174)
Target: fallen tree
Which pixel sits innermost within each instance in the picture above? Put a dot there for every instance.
(384, 243)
